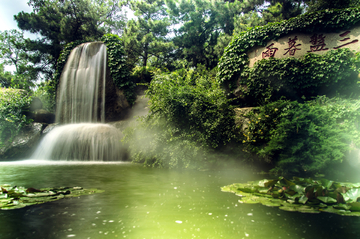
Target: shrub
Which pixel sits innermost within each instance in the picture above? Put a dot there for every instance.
(189, 119)
(304, 138)
(14, 104)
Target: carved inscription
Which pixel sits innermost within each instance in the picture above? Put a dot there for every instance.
(297, 45)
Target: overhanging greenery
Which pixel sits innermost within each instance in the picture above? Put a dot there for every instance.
(235, 60)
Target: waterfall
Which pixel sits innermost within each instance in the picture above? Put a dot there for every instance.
(81, 83)
(82, 133)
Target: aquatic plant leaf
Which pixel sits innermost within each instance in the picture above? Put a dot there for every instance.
(270, 183)
(355, 206)
(342, 206)
(301, 195)
(297, 188)
(327, 199)
(326, 183)
(303, 199)
(17, 197)
(351, 195)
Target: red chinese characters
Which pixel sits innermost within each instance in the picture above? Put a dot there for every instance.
(318, 43)
(292, 46)
(270, 51)
(345, 39)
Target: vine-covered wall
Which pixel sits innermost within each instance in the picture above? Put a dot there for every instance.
(269, 79)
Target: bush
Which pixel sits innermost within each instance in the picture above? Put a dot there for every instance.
(14, 104)
(189, 119)
(304, 138)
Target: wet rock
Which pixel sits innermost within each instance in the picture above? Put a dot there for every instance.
(36, 104)
(240, 117)
(43, 116)
(23, 144)
(48, 128)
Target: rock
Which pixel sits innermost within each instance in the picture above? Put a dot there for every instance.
(36, 104)
(240, 117)
(115, 100)
(43, 116)
(48, 128)
(23, 144)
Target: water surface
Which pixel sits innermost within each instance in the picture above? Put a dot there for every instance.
(153, 203)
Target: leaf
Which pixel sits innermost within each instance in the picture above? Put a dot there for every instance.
(303, 199)
(326, 199)
(351, 195)
(355, 206)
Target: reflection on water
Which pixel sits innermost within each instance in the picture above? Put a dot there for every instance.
(153, 203)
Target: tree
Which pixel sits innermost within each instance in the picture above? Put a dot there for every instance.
(146, 38)
(206, 27)
(317, 5)
(13, 53)
(62, 21)
(5, 77)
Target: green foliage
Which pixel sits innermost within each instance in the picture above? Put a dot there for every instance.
(318, 5)
(118, 68)
(14, 104)
(145, 38)
(331, 74)
(5, 77)
(304, 138)
(301, 194)
(60, 22)
(13, 52)
(190, 119)
(235, 60)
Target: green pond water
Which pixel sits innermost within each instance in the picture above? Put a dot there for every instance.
(154, 203)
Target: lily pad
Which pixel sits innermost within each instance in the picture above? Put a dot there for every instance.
(19, 197)
(301, 195)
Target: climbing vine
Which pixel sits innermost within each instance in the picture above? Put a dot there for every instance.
(334, 73)
(235, 60)
(118, 68)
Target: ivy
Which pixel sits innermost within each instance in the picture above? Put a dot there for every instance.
(118, 68)
(235, 60)
(334, 73)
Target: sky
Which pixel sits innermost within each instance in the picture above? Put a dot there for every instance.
(9, 8)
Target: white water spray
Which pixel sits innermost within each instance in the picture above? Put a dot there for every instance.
(81, 100)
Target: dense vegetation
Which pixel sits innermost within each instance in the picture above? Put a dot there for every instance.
(190, 119)
(185, 51)
(14, 105)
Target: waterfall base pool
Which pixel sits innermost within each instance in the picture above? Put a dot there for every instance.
(150, 203)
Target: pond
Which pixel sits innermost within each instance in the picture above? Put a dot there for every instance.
(150, 203)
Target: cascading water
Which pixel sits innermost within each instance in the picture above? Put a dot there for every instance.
(80, 105)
